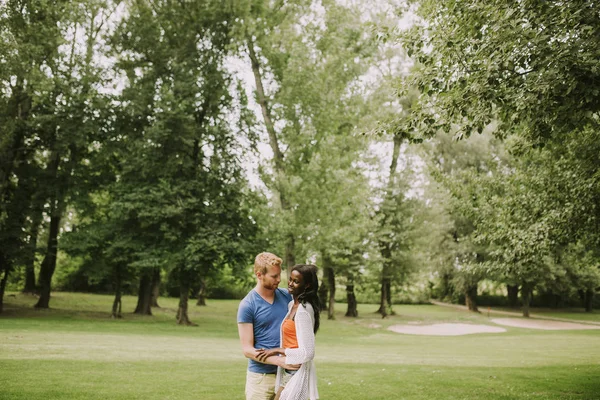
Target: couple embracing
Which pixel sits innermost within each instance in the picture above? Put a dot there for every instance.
(277, 330)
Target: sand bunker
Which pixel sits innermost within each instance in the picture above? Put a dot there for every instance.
(445, 329)
(542, 324)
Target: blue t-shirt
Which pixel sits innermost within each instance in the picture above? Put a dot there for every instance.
(266, 319)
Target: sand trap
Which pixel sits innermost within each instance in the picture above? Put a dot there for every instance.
(445, 329)
(541, 324)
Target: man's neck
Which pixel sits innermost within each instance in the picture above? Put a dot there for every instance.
(266, 294)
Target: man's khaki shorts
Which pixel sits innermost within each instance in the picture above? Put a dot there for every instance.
(260, 386)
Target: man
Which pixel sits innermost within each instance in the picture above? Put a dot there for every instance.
(259, 319)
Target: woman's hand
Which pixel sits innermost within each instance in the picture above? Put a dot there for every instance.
(263, 354)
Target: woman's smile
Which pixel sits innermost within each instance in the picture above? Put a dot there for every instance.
(296, 283)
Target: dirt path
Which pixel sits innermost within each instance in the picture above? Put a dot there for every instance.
(514, 313)
(445, 329)
(516, 320)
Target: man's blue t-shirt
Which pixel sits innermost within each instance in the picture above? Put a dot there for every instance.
(266, 319)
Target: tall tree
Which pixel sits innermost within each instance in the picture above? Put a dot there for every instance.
(76, 122)
(180, 188)
(49, 78)
(528, 65)
(303, 98)
(460, 167)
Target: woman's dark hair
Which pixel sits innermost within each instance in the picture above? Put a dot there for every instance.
(311, 288)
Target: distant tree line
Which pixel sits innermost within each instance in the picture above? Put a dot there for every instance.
(460, 151)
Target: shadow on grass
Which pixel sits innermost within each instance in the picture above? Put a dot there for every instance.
(66, 307)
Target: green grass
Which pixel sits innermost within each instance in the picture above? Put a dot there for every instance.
(75, 351)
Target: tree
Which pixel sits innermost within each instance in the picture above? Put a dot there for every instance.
(260, 21)
(52, 115)
(180, 194)
(460, 168)
(334, 212)
(76, 123)
(528, 66)
(542, 221)
(304, 99)
(105, 249)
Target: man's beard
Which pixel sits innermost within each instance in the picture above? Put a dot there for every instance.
(269, 286)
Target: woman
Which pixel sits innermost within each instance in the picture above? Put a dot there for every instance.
(298, 337)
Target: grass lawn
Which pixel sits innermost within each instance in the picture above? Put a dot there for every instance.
(75, 351)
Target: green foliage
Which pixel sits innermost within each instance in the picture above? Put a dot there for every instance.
(522, 71)
(529, 65)
(311, 57)
(52, 111)
(398, 220)
(178, 200)
(459, 169)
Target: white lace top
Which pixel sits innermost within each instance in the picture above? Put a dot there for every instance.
(303, 385)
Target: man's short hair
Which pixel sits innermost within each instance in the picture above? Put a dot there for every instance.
(264, 260)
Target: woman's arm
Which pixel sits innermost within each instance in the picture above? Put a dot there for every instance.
(263, 354)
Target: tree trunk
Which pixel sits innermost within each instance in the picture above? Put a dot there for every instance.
(5, 271)
(49, 263)
(589, 300)
(34, 229)
(264, 106)
(526, 299)
(290, 259)
(29, 286)
(513, 295)
(388, 293)
(385, 306)
(471, 298)
(323, 293)
(446, 291)
(144, 295)
(182, 311)
(382, 295)
(274, 143)
(331, 283)
(202, 293)
(57, 203)
(155, 292)
(30, 258)
(352, 310)
(116, 308)
(558, 301)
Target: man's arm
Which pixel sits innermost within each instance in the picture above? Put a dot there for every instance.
(246, 331)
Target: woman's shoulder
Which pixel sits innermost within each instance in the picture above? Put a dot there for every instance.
(307, 307)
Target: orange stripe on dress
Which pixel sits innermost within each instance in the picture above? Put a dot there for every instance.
(289, 334)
